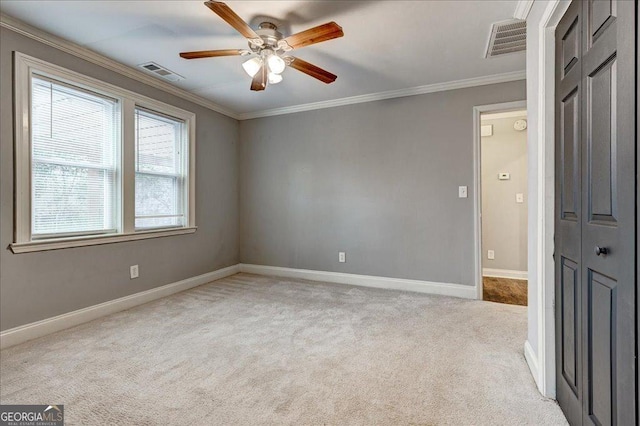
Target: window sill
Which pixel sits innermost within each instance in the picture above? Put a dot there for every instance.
(62, 243)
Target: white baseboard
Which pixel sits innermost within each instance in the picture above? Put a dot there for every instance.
(505, 273)
(445, 289)
(41, 328)
(532, 362)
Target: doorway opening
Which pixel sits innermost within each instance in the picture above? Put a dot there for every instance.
(503, 206)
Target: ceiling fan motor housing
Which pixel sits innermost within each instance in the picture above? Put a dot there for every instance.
(269, 33)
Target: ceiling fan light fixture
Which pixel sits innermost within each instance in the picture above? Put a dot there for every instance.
(276, 64)
(252, 66)
(274, 78)
(270, 48)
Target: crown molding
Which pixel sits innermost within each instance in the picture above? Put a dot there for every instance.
(412, 91)
(523, 7)
(67, 46)
(127, 71)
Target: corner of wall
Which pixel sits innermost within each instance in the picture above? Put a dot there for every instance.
(532, 361)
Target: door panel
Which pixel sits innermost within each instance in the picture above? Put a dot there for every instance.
(571, 45)
(570, 321)
(601, 14)
(602, 347)
(608, 222)
(601, 138)
(596, 229)
(568, 220)
(570, 151)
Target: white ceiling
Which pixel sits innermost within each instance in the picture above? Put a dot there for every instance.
(388, 45)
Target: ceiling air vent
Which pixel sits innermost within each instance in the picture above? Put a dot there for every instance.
(154, 68)
(507, 37)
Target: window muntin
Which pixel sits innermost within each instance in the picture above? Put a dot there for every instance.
(74, 145)
(160, 171)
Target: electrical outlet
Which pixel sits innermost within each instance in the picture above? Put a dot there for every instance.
(462, 192)
(519, 198)
(342, 257)
(491, 254)
(133, 270)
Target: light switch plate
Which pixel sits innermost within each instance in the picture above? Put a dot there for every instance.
(504, 176)
(486, 130)
(462, 192)
(491, 254)
(519, 198)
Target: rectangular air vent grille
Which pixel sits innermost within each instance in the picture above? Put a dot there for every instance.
(507, 37)
(154, 68)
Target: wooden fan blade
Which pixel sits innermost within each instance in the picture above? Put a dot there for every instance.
(210, 53)
(259, 81)
(313, 71)
(225, 12)
(314, 35)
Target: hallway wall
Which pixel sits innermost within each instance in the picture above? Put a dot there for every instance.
(504, 220)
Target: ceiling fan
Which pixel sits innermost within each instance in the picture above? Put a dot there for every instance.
(269, 48)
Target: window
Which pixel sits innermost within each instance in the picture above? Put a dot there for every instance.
(95, 163)
(73, 160)
(159, 171)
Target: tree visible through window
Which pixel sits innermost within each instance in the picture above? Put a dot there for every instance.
(74, 161)
(159, 170)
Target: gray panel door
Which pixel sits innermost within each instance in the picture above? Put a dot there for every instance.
(595, 213)
(568, 216)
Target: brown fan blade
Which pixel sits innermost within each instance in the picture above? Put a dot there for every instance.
(210, 53)
(225, 12)
(314, 35)
(313, 71)
(259, 81)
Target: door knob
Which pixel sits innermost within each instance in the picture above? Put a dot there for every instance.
(601, 250)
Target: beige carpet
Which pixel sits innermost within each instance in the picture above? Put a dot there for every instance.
(257, 350)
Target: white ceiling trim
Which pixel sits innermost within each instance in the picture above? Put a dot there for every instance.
(522, 9)
(412, 91)
(108, 63)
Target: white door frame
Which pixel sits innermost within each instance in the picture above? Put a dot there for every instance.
(543, 366)
(477, 180)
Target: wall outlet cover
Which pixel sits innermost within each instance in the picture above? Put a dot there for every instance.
(462, 192)
(134, 272)
(491, 254)
(342, 257)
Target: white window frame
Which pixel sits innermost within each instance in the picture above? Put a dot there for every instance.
(184, 164)
(25, 67)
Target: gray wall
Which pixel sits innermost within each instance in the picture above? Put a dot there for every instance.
(34, 286)
(377, 180)
(504, 222)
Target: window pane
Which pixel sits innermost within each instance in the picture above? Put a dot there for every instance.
(156, 201)
(158, 143)
(69, 199)
(74, 146)
(159, 171)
